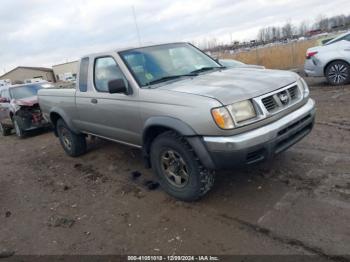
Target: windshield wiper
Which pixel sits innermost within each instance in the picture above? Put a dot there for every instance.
(167, 78)
(207, 68)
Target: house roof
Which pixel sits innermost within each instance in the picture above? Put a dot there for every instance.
(71, 62)
(45, 69)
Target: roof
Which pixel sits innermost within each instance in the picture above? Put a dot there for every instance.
(45, 69)
(149, 45)
(131, 48)
(71, 62)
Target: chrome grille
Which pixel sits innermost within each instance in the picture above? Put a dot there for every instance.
(293, 92)
(281, 99)
(269, 102)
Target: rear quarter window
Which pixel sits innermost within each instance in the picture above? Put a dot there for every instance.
(83, 74)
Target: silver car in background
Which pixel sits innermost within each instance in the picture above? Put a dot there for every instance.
(331, 60)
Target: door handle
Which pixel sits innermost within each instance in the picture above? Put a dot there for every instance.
(94, 101)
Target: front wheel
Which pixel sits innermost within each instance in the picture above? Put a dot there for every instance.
(338, 73)
(73, 144)
(178, 169)
(4, 131)
(18, 126)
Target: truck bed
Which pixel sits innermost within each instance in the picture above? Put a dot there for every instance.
(57, 98)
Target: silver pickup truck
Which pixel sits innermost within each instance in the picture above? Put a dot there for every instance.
(188, 114)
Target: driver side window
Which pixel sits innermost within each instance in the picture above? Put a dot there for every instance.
(105, 70)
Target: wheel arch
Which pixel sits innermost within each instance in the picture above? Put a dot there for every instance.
(332, 61)
(155, 126)
(56, 114)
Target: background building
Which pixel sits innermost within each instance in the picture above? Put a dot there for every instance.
(22, 73)
(66, 71)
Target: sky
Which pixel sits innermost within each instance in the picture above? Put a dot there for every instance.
(44, 33)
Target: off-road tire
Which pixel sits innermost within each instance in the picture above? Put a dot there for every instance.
(340, 69)
(200, 181)
(18, 126)
(77, 142)
(4, 131)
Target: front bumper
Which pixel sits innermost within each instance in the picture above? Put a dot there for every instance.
(32, 123)
(262, 143)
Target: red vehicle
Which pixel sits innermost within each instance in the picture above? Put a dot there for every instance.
(19, 109)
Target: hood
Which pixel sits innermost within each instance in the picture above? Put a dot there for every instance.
(233, 85)
(28, 101)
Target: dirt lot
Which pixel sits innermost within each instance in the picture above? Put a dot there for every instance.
(297, 204)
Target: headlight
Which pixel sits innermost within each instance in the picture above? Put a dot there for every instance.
(242, 111)
(222, 118)
(303, 85)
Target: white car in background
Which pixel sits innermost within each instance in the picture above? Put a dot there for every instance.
(331, 60)
(231, 63)
(34, 80)
(5, 82)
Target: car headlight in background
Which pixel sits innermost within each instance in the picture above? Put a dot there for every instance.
(303, 85)
(242, 111)
(238, 112)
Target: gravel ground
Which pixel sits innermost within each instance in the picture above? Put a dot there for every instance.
(296, 204)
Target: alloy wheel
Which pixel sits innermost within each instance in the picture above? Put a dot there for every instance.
(66, 138)
(174, 168)
(338, 73)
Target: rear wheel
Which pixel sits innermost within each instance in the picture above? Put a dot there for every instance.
(73, 144)
(4, 131)
(18, 126)
(178, 169)
(338, 73)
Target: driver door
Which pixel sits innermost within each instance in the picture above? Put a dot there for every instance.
(113, 116)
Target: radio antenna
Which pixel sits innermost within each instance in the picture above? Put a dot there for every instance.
(136, 25)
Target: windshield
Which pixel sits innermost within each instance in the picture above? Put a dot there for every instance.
(166, 62)
(345, 36)
(24, 91)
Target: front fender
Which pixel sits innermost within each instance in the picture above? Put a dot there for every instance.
(171, 123)
(180, 127)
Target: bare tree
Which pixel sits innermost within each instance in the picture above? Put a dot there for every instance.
(287, 30)
(303, 28)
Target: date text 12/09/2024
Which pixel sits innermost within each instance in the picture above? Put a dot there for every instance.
(173, 258)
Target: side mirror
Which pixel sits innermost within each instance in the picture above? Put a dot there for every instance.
(4, 100)
(117, 86)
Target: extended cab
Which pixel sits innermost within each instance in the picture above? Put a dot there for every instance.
(188, 114)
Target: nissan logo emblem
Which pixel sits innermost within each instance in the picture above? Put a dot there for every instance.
(283, 98)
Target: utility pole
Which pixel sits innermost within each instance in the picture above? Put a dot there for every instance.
(136, 25)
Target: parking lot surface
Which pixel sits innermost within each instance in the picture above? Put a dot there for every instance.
(298, 203)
